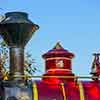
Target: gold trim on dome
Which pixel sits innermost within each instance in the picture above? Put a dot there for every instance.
(53, 69)
(58, 46)
(58, 58)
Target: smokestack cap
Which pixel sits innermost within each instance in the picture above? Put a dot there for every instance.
(17, 29)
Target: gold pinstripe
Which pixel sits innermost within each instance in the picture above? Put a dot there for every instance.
(63, 91)
(81, 89)
(35, 91)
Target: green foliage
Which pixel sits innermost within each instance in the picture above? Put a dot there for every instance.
(29, 64)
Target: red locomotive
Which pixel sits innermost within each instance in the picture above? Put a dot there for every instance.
(58, 82)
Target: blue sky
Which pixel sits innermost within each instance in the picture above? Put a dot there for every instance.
(75, 23)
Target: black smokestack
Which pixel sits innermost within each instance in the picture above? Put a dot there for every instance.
(17, 29)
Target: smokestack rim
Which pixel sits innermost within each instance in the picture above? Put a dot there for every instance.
(18, 14)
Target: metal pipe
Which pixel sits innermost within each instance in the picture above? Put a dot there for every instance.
(78, 77)
(16, 29)
(16, 61)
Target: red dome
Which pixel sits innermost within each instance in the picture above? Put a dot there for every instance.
(58, 62)
(58, 51)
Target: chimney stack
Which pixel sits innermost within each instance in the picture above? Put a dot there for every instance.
(16, 29)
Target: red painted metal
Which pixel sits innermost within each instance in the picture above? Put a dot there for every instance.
(58, 62)
(53, 90)
(50, 88)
